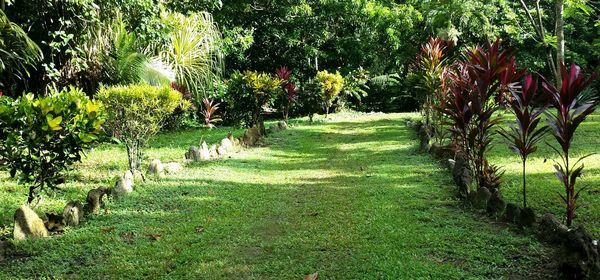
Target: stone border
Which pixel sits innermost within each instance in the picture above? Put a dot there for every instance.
(28, 225)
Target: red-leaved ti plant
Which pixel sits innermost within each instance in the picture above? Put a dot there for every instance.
(289, 89)
(572, 108)
(474, 84)
(283, 73)
(524, 134)
(209, 111)
(431, 65)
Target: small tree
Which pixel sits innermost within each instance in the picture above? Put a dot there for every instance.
(248, 93)
(331, 86)
(264, 88)
(572, 109)
(136, 113)
(40, 138)
(523, 136)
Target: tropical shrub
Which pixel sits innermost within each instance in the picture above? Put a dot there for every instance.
(331, 86)
(431, 66)
(40, 138)
(572, 108)
(290, 94)
(193, 52)
(124, 63)
(248, 93)
(17, 52)
(473, 87)
(390, 93)
(311, 98)
(523, 135)
(136, 113)
(209, 111)
(355, 86)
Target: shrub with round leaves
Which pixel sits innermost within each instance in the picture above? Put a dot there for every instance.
(331, 86)
(248, 93)
(40, 138)
(136, 113)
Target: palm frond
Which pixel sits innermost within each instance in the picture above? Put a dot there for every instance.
(17, 51)
(193, 53)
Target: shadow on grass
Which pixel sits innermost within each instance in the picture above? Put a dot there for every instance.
(350, 200)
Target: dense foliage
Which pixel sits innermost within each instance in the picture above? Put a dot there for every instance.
(40, 138)
(17, 52)
(136, 113)
(248, 93)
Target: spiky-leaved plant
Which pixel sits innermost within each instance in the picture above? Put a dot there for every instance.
(572, 108)
(431, 65)
(523, 135)
(289, 88)
(474, 85)
(209, 111)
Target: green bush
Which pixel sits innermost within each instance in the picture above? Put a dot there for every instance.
(40, 138)
(248, 93)
(136, 113)
(331, 86)
(310, 98)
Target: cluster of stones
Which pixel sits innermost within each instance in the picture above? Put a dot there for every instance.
(29, 225)
(582, 253)
(229, 144)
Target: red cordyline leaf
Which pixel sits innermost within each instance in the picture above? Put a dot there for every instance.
(283, 73)
(290, 90)
(482, 76)
(571, 110)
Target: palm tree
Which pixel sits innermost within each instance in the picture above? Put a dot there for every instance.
(193, 52)
(17, 51)
(128, 65)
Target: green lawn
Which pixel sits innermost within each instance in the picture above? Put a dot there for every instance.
(350, 198)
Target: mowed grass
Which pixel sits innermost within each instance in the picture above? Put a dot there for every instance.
(543, 187)
(349, 198)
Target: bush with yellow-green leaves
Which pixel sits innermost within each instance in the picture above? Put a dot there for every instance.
(41, 137)
(331, 86)
(136, 113)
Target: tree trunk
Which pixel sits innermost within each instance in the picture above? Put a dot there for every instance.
(133, 155)
(560, 40)
(524, 185)
(538, 25)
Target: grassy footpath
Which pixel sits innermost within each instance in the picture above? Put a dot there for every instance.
(350, 199)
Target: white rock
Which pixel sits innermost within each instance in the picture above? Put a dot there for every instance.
(204, 152)
(221, 150)
(193, 154)
(227, 144)
(128, 176)
(156, 167)
(123, 186)
(73, 213)
(28, 224)
(282, 125)
(173, 167)
(213, 151)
